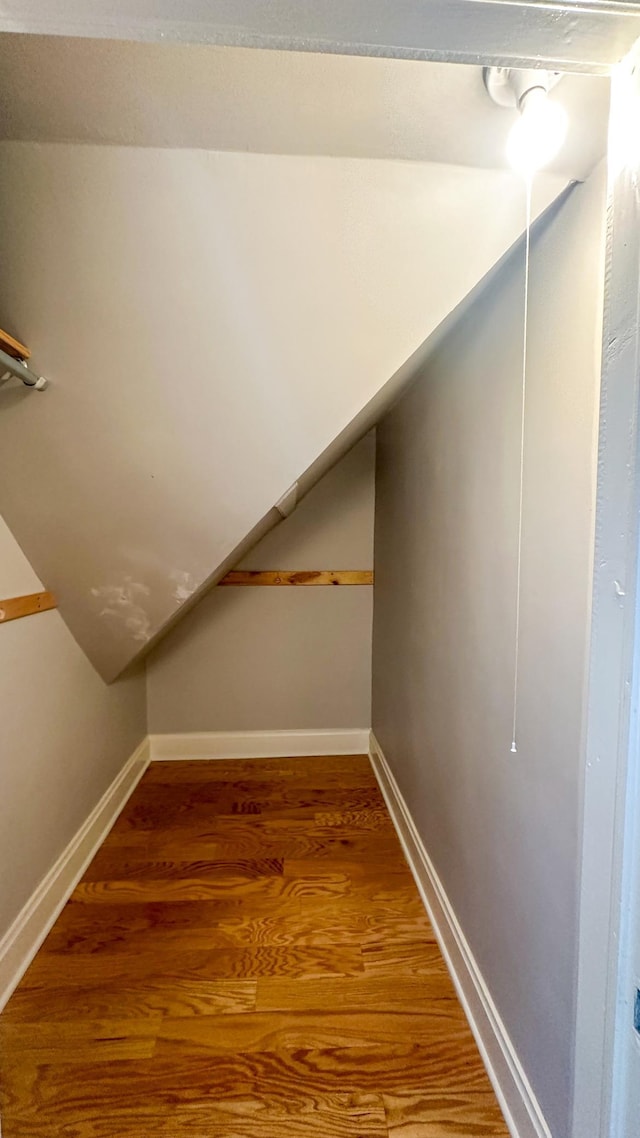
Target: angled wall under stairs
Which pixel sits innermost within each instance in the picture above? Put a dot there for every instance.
(210, 323)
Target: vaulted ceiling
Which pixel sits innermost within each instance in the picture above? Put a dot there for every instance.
(213, 320)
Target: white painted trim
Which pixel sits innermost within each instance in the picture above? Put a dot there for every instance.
(569, 36)
(604, 1033)
(23, 939)
(259, 744)
(521, 1109)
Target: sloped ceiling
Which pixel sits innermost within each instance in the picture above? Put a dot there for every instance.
(210, 322)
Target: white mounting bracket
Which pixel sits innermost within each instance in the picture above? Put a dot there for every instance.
(10, 366)
(288, 502)
(507, 86)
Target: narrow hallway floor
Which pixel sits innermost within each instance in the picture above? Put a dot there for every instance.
(247, 956)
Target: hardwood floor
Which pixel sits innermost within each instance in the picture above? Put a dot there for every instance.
(246, 957)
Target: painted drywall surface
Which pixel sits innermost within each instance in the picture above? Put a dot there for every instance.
(65, 735)
(281, 658)
(210, 322)
(502, 829)
(276, 102)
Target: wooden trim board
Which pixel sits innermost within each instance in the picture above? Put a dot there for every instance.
(16, 607)
(13, 347)
(518, 1102)
(298, 577)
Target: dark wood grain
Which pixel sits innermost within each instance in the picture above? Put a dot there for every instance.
(246, 957)
(345, 769)
(156, 808)
(283, 577)
(70, 1039)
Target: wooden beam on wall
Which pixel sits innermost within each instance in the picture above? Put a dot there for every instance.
(298, 577)
(16, 607)
(13, 347)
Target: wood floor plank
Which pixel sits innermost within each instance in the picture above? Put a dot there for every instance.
(373, 869)
(239, 838)
(331, 923)
(110, 864)
(312, 769)
(374, 817)
(69, 1041)
(176, 927)
(69, 970)
(257, 1109)
(180, 940)
(386, 994)
(91, 928)
(426, 1115)
(246, 957)
(164, 808)
(291, 791)
(403, 958)
(209, 886)
(287, 1032)
(295, 1077)
(124, 999)
(237, 826)
(200, 881)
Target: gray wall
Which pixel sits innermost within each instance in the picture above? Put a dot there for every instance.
(502, 829)
(65, 735)
(281, 658)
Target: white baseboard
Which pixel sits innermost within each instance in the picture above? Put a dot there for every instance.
(520, 1107)
(23, 939)
(259, 744)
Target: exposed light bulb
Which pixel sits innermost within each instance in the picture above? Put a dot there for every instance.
(538, 134)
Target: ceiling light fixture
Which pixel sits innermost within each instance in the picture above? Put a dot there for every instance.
(539, 132)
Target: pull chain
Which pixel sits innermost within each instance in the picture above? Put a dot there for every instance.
(516, 655)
